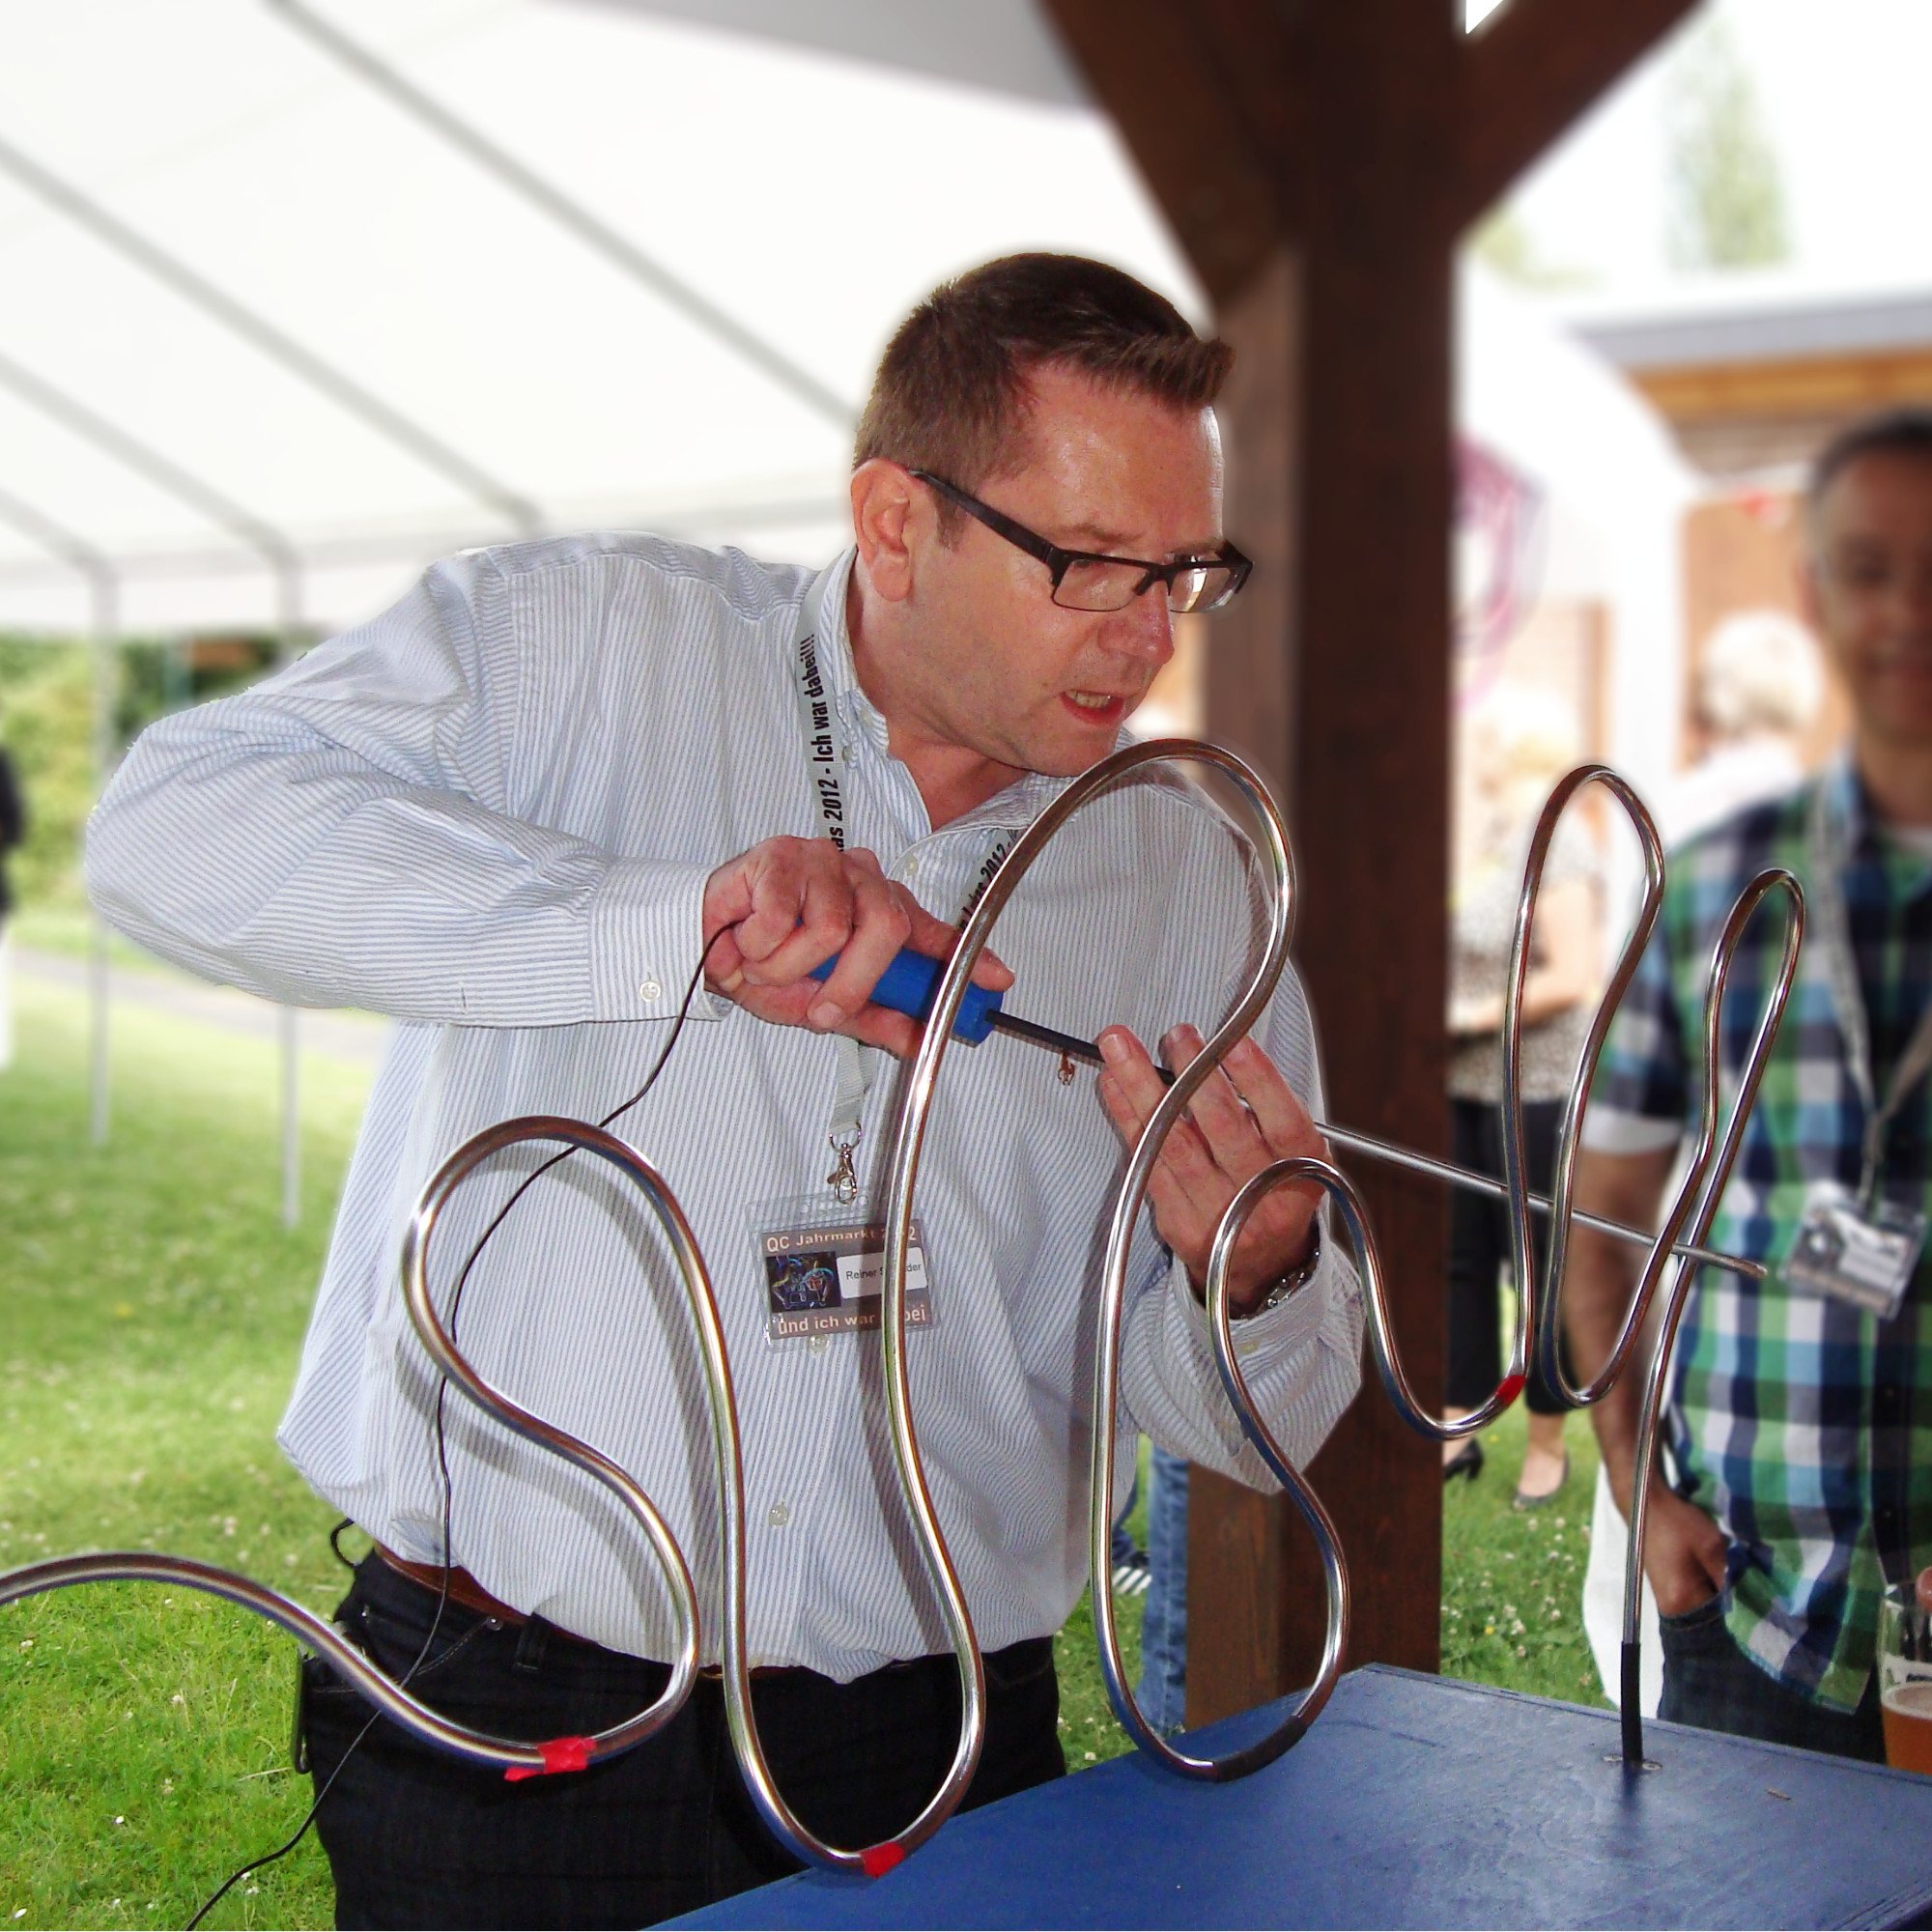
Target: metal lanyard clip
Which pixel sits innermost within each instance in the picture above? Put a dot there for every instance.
(843, 1180)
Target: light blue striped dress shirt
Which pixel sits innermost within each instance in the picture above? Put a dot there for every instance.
(490, 813)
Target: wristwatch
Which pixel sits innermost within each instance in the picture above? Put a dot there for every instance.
(1298, 1276)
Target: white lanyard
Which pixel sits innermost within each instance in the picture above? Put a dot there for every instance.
(828, 760)
(1826, 858)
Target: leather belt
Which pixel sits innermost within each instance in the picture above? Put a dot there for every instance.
(463, 1588)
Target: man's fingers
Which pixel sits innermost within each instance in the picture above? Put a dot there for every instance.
(936, 939)
(1283, 1121)
(1133, 1076)
(790, 884)
(881, 925)
(1217, 1109)
(723, 963)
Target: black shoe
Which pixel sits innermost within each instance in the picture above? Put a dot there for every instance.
(1529, 1502)
(1468, 1460)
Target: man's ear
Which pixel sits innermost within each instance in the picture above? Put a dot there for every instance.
(1805, 581)
(891, 517)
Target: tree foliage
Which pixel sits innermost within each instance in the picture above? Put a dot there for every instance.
(47, 723)
(1726, 207)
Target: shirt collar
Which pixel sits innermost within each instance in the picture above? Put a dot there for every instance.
(1845, 795)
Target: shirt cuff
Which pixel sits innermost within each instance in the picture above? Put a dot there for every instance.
(646, 932)
(1261, 1341)
(1607, 1131)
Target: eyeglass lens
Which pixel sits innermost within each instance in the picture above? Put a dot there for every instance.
(1100, 584)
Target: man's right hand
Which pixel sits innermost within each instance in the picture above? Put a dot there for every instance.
(788, 905)
(1683, 1550)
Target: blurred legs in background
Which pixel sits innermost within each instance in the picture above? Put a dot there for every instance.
(6, 995)
(1162, 1690)
(1130, 1563)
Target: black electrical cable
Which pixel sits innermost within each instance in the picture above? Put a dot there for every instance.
(442, 1450)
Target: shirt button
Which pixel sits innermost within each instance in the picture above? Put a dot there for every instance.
(649, 989)
(779, 1515)
(817, 1345)
(912, 866)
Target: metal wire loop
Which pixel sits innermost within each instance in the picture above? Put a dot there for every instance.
(1536, 1328)
(903, 1173)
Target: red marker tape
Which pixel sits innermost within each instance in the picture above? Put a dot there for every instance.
(558, 1754)
(879, 1859)
(1510, 1388)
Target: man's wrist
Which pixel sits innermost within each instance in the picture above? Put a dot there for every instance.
(1270, 1295)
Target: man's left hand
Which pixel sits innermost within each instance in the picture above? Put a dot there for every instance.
(1245, 1117)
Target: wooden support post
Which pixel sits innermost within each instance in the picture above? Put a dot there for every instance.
(1319, 161)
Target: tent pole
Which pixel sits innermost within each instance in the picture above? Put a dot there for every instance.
(288, 595)
(105, 651)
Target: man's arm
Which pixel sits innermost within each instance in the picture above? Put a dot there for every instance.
(347, 835)
(1683, 1550)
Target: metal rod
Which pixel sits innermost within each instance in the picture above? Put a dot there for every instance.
(341, 388)
(145, 460)
(103, 586)
(524, 1756)
(902, 1176)
(1075, 1048)
(568, 213)
(1710, 1171)
(1053, 1041)
(284, 563)
(1484, 1183)
(288, 1039)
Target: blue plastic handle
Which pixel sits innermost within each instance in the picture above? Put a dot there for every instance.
(907, 987)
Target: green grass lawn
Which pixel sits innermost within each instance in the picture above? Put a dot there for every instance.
(154, 1309)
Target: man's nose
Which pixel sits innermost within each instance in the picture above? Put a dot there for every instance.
(1146, 626)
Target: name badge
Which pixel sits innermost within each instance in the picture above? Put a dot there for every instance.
(824, 1271)
(1868, 1261)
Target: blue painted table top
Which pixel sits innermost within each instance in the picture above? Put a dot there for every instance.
(1418, 1801)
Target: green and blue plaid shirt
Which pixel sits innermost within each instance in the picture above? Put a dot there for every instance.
(1803, 1424)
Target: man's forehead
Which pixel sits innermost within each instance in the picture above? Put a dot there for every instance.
(1878, 495)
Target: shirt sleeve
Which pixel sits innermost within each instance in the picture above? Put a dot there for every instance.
(1639, 1100)
(337, 837)
(1301, 1361)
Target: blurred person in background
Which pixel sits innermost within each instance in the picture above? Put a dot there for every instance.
(1521, 741)
(1799, 1478)
(1760, 682)
(12, 829)
(1759, 687)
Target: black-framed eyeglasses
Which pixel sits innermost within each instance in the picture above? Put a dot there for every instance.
(1085, 580)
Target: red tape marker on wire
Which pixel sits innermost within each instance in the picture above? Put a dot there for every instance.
(558, 1754)
(879, 1859)
(1511, 1388)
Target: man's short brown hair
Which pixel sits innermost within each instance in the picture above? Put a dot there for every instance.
(950, 395)
(1900, 432)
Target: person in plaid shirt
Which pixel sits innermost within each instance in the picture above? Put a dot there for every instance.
(1799, 1424)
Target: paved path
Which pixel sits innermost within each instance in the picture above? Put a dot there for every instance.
(357, 1038)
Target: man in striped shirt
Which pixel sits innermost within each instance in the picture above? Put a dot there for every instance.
(1799, 1422)
(527, 807)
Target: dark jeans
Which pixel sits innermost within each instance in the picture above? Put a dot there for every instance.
(417, 1839)
(1709, 1682)
(1479, 1246)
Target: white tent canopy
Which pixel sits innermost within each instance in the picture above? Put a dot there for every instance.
(157, 162)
